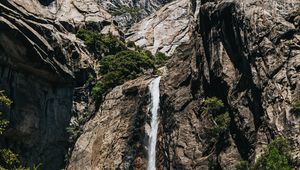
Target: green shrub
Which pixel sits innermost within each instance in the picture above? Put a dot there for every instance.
(133, 11)
(221, 126)
(4, 99)
(221, 119)
(90, 38)
(3, 124)
(212, 104)
(111, 44)
(8, 159)
(126, 62)
(243, 165)
(131, 44)
(276, 156)
(98, 89)
(296, 107)
(147, 53)
(7, 102)
(116, 69)
(160, 58)
(107, 44)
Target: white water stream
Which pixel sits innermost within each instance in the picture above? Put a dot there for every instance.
(154, 91)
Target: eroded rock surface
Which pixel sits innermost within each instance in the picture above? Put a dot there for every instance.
(43, 67)
(116, 137)
(246, 53)
(166, 29)
(126, 13)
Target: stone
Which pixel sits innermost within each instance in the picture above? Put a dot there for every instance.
(166, 29)
(114, 138)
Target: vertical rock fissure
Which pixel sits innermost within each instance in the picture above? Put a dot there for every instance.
(154, 106)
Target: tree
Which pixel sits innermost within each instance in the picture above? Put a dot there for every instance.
(8, 159)
(276, 156)
(212, 105)
(116, 69)
(4, 100)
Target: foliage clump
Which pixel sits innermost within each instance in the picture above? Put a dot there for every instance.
(296, 107)
(276, 156)
(8, 159)
(160, 58)
(220, 118)
(216, 128)
(107, 44)
(243, 165)
(4, 99)
(7, 102)
(116, 69)
(133, 11)
(212, 105)
(221, 126)
(131, 44)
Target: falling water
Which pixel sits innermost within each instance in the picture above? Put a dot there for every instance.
(154, 91)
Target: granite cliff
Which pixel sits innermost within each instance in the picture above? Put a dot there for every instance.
(244, 52)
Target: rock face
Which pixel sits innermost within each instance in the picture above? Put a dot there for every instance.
(126, 13)
(71, 14)
(166, 29)
(43, 65)
(115, 138)
(245, 52)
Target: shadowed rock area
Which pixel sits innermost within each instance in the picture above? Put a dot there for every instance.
(42, 66)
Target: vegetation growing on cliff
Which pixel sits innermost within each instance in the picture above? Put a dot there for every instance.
(118, 61)
(212, 105)
(220, 118)
(124, 66)
(107, 44)
(221, 126)
(8, 159)
(276, 156)
(214, 111)
(243, 165)
(7, 102)
(133, 11)
(296, 107)
(160, 59)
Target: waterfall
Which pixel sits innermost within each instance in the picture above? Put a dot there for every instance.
(154, 91)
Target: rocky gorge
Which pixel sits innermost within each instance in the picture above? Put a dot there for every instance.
(245, 53)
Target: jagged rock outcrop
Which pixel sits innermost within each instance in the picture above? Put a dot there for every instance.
(71, 14)
(166, 29)
(245, 52)
(126, 13)
(116, 137)
(247, 56)
(43, 67)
